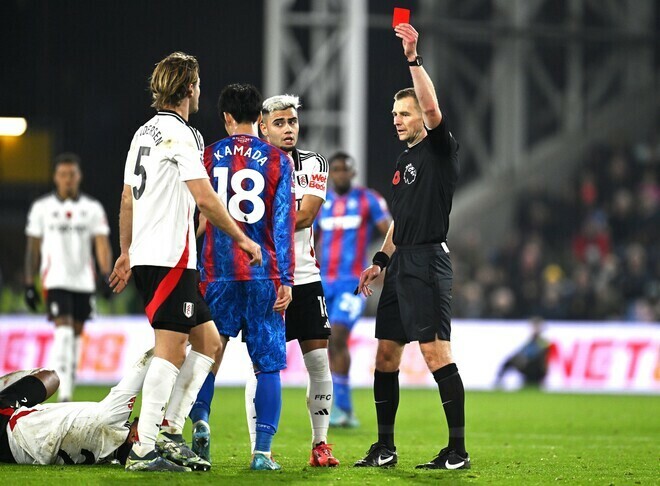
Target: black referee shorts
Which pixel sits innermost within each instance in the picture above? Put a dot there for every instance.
(415, 304)
(172, 300)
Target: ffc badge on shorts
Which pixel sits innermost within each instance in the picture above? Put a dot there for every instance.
(188, 309)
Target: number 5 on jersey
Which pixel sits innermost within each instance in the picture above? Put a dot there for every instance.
(241, 194)
(141, 171)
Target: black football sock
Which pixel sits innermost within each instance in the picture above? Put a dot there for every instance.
(386, 396)
(452, 394)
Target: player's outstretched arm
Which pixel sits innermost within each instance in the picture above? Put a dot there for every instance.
(210, 206)
(121, 272)
(424, 89)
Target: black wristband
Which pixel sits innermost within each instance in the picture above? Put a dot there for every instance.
(381, 259)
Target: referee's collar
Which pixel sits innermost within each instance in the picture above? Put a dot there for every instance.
(174, 114)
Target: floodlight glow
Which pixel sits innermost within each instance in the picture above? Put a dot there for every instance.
(12, 126)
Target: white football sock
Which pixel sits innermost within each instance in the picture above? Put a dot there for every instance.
(125, 392)
(319, 393)
(250, 409)
(62, 358)
(133, 379)
(156, 391)
(191, 377)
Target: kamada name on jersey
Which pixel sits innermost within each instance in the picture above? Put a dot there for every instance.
(241, 150)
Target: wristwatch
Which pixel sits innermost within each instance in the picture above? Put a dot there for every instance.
(417, 62)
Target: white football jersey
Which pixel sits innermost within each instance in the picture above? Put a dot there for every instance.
(311, 177)
(165, 153)
(67, 229)
(69, 433)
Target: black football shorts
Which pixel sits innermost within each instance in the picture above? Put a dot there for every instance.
(77, 305)
(172, 300)
(306, 317)
(415, 304)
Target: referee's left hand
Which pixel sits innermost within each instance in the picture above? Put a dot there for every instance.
(368, 275)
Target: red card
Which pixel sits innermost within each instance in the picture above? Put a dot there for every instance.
(401, 16)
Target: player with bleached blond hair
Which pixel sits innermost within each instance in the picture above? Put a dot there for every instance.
(306, 316)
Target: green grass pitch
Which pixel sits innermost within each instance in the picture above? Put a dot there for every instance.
(513, 438)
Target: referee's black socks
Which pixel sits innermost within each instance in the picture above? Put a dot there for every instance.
(386, 396)
(452, 395)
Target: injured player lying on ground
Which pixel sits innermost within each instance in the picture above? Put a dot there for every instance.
(32, 432)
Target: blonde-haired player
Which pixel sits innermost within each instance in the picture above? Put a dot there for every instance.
(163, 179)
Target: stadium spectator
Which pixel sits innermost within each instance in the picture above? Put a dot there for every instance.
(163, 179)
(240, 297)
(344, 228)
(307, 315)
(62, 227)
(415, 302)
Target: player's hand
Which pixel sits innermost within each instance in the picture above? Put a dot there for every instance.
(408, 36)
(32, 298)
(284, 298)
(368, 275)
(121, 274)
(252, 249)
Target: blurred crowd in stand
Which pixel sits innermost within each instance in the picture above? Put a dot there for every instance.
(590, 251)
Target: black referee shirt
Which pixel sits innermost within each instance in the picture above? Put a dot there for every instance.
(423, 187)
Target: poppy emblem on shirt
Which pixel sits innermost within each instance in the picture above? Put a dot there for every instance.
(68, 215)
(303, 180)
(397, 178)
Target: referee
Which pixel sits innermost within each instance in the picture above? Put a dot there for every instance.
(416, 297)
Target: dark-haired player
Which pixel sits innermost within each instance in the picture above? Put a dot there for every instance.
(32, 432)
(254, 180)
(415, 304)
(62, 227)
(344, 228)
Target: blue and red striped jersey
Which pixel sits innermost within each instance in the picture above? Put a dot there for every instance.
(255, 181)
(344, 227)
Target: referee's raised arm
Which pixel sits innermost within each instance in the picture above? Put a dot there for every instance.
(424, 89)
